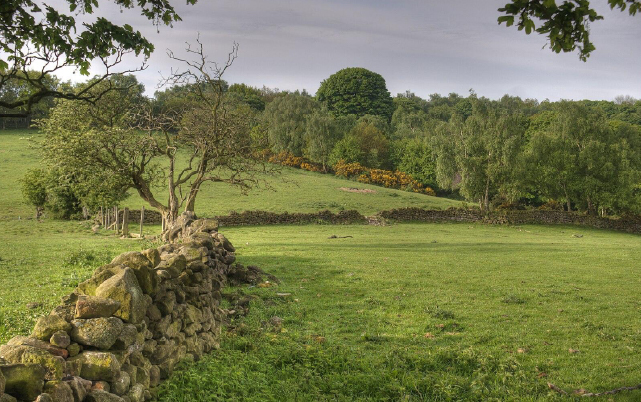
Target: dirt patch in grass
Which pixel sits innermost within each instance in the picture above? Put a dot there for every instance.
(357, 190)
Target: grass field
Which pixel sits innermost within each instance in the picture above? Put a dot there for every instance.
(400, 312)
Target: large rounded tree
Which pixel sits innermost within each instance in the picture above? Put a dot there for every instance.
(356, 91)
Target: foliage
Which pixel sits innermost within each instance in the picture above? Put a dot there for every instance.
(385, 178)
(567, 26)
(322, 133)
(286, 119)
(34, 189)
(415, 158)
(365, 144)
(356, 91)
(36, 33)
(249, 95)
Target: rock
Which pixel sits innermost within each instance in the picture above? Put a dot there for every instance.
(24, 381)
(48, 325)
(33, 305)
(60, 339)
(137, 393)
(54, 365)
(36, 343)
(120, 384)
(174, 265)
(143, 269)
(154, 313)
(2, 383)
(153, 255)
(102, 396)
(99, 332)
(95, 307)
(59, 391)
(7, 398)
(154, 376)
(97, 366)
(123, 287)
(225, 243)
(203, 239)
(101, 386)
(132, 371)
(192, 314)
(100, 275)
(204, 225)
(44, 398)
(74, 349)
(127, 337)
(79, 388)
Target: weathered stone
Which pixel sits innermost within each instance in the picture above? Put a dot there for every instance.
(193, 314)
(166, 303)
(225, 243)
(59, 391)
(143, 269)
(48, 325)
(102, 396)
(123, 287)
(79, 388)
(36, 343)
(74, 349)
(204, 225)
(99, 332)
(60, 339)
(137, 393)
(174, 264)
(54, 365)
(163, 352)
(95, 307)
(154, 313)
(153, 255)
(7, 398)
(203, 239)
(127, 337)
(174, 329)
(120, 384)
(97, 366)
(194, 252)
(101, 386)
(44, 398)
(2, 383)
(132, 371)
(24, 381)
(100, 275)
(154, 376)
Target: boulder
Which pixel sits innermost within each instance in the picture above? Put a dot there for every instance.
(100, 275)
(54, 365)
(120, 384)
(123, 288)
(143, 269)
(24, 381)
(59, 391)
(97, 366)
(36, 343)
(99, 332)
(95, 307)
(49, 325)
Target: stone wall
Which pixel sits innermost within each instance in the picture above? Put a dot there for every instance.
(272, 218)
(123, 330)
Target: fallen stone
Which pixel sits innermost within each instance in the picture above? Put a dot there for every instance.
(99, 332)
(49, 325)
(24, 381)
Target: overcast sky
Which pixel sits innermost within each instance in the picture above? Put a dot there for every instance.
(428, 46)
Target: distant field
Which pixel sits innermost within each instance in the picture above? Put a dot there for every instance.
(294, 190)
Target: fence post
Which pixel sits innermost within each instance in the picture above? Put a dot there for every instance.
(142, 219)
(125, 222)
(117, 226)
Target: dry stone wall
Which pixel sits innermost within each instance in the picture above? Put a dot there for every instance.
(123, 330)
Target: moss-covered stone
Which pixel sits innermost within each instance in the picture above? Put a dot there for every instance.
(143, 269)
(60, 340)
(120, 384)
(2, 382)
(153, 255)
(97, 366)
(175, 265)
(100, 275)
(59, 391)
(24, 381)
(49, 325)
(99, 332)
(102, 396)
(123, 287)
(37, 343)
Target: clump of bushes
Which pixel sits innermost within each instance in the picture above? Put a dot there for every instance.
(386, 178)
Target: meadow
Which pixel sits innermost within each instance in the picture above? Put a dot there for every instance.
(397, 312)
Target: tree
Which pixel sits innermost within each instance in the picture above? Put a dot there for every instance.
(356, 91)
(322, 133)
(181, 150)
(566, 25)
(286, 121)
(250, 95)
(365, 144)
(479, 155)
(414, 157)
(35, 36)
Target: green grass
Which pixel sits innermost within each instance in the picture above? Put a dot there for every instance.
(503, 305)
(294, 190)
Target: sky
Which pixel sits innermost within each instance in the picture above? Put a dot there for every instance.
(428, 46)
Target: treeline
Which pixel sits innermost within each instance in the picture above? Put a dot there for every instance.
(582, 156)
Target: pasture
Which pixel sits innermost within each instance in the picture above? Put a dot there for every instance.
(398, 312)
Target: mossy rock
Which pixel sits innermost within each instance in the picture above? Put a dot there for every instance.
(99, 276)
(102, 396)
(2, 383)
(95, 307)
(123, 288)
(23, 381)
(49, 325)
(153, 255)
(143, 269)
(59, 391)
(97, 366)
(99, 332)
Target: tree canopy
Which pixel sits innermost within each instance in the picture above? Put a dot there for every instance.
(356, 91)
(37, 39)
(567, 25)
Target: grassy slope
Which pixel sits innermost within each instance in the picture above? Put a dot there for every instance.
(513, 302)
